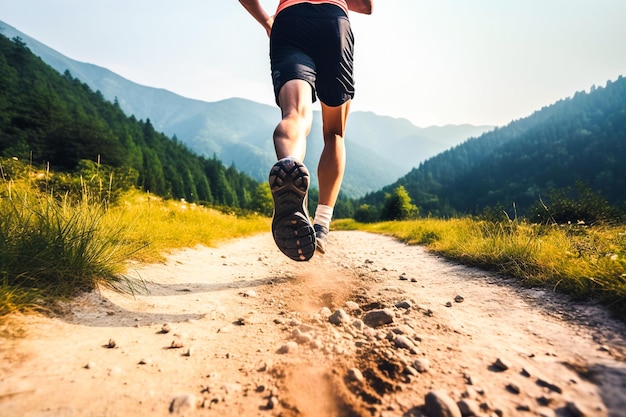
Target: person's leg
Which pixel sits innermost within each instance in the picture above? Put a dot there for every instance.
(333, 159)
(330, 169)
(295, 100)
(289, 179)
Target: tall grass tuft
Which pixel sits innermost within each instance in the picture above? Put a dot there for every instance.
(51, 248)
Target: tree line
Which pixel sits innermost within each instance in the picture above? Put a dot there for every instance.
(51, 119)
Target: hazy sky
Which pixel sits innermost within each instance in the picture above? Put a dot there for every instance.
(437, 62)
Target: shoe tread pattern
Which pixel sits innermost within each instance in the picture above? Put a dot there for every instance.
(291, 228)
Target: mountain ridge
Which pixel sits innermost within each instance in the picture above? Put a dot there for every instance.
(575, 145)
(238, 131)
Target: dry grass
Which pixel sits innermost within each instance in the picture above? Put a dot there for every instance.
(587, 262)
(161, 226)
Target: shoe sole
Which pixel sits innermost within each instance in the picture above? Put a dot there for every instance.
(291, 228)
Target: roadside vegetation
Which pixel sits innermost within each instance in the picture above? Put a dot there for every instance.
(61, 234)
(587, 262)
(55, 245)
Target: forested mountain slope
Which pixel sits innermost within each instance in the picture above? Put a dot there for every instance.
(49, 118)
(581, 139)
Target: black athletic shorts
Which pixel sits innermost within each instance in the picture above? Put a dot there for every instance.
(314, 43)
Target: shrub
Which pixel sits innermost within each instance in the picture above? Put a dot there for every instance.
(398, 206)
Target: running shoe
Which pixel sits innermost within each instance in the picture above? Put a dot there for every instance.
(291, 228)
(321, 237)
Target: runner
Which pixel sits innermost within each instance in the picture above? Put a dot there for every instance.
(311, 56)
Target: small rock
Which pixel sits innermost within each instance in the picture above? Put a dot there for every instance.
(448, 304)
(404, 342)
(377, 318)
(501, 365)
(303, 338)
(405, 304)
(177, 343)
(265, 366)
(355, 375)
(544, 401)
(411, 371)
(288, 347)
(272, 402)
(325, 312)
(111, 344)
(358, 324)
(249, 293)
(183, 404)
(352, 306)
(145, 361)
(404, 329)
(421, 365)
(513, 388)
(459, 299)
(469, 408)
(339, 317)
(166, 328)
(470, 393)
(90, 365)
(189, 352)
(316, 344)
(439, 404)
(546, 384)
(575, 410)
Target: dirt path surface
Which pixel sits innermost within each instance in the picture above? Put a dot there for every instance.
(374, 328)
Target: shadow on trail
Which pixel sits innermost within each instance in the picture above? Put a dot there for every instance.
(157, 289)
(99, 309)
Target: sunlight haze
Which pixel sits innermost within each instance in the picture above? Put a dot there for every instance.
(485, 62)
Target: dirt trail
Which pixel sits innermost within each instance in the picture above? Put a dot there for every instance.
(252, 334)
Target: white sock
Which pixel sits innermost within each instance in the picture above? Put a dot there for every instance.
(290, 157)
(323, 215)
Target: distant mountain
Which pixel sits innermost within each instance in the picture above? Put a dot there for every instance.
(577, 140)
(239, 131)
